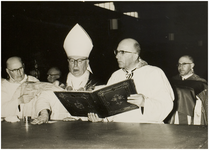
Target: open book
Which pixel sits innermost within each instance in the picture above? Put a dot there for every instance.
(107, 101)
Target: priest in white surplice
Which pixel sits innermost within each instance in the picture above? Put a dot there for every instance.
(155, 95)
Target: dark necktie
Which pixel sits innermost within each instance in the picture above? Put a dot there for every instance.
(129, 75)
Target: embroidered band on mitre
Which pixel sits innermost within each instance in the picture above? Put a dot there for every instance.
(78, 43)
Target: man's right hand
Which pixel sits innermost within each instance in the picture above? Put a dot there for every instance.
(94, 117)
(42, 118)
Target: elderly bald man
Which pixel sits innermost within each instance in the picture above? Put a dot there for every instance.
(155, 95)
(10, 93)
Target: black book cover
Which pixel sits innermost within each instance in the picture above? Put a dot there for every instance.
(107, 101)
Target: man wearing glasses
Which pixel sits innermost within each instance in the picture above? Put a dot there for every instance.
(155, 95)
(10, 93)
(191, 94)
(186, 69)
(54, 76)
(77, 46)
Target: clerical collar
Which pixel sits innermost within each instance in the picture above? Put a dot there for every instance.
(186, 76)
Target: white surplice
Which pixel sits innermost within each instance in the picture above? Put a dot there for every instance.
(154, 85)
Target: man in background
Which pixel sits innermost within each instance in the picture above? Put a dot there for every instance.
(191, 100)
(186, 69)
(54, 75)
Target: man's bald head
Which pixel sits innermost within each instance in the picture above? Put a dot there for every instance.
(15, 68)
(127, 53)
(132, 44)
(189, 58)
(53, 74)
(12, 61)
(54, 70)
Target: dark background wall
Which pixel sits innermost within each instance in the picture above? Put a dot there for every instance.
(36, 31)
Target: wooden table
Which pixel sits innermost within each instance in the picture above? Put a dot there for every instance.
(86, 135)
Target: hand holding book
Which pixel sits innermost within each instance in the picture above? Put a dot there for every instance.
(137, 99)
(104, 101)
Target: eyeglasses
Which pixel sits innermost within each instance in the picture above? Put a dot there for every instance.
(15, 70)
(53, 74)
(122, 52)
(183, 64)
(79, 61)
